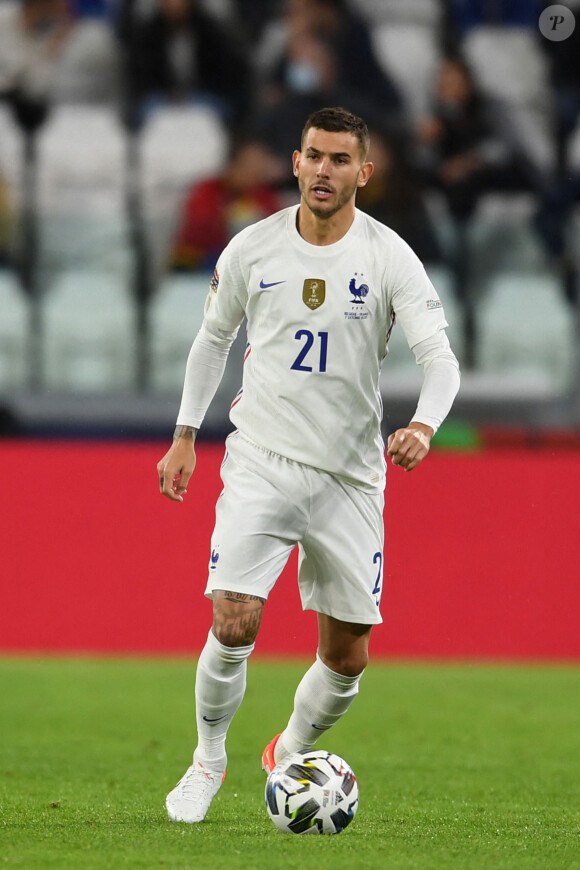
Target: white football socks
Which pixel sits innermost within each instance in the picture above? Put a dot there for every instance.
(220, 684)
(322, 697)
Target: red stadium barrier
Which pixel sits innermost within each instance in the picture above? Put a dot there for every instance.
(481, 557)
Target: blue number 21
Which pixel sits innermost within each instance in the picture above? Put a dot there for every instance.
(308, 338)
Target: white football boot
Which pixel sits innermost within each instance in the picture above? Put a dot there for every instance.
(191, 798)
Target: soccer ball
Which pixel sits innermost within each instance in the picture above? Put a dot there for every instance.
(312, 792)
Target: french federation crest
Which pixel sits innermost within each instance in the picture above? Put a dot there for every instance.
(358, 293)
(314, 293)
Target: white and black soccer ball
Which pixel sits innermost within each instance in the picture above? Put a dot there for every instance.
(312, 792)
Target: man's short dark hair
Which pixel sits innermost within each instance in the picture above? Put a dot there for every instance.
(339, 120)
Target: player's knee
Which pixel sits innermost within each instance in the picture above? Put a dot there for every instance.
(236, 619)
(234, 634)
(349, 664)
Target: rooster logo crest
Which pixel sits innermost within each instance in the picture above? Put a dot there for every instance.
(358, 293)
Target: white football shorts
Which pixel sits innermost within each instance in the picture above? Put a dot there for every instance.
(269, 505)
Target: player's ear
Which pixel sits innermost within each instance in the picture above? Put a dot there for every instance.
(365, 173)
(296, 162)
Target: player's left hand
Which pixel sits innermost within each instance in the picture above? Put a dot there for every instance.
(408, 447)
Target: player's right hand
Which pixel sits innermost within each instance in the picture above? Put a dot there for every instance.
(409, 446)
(176, 468)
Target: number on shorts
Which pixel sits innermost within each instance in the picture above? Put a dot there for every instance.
(378, 558)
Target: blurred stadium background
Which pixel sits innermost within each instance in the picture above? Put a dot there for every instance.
(114, 116)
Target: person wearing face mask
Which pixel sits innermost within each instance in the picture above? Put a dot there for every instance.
(310, 78)
(345, 32)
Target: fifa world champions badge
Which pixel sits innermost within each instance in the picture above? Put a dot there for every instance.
(314, 293)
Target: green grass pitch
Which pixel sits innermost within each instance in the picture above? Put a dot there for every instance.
(459, 766)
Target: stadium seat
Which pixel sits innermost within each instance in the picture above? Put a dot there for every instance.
(178, 146)
(511, 68)
(82, 189)
(90, 65)
(501, 238)
(525, 326)
(90, 339)
(425, 12)
(410, 55)
(175, 315)
(442, 279)
(14, 333)
(508, 62)
(400, 357)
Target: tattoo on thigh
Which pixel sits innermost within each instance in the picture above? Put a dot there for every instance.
(241, 597)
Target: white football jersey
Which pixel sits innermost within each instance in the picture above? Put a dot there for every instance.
(318, 321)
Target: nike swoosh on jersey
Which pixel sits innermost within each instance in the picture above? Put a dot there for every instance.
(265, 286)
(219, 718)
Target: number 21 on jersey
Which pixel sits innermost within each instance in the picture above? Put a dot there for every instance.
(313, 351)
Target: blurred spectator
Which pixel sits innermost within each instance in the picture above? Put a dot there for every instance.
(393, 196)
(176, 52)
(48, 56)
(33, 35)
(311, 81)
(218, 208)
(90, 67)
(333, 22)
(408, 43)
(460, 149)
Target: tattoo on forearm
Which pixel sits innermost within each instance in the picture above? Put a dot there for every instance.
(185, 432)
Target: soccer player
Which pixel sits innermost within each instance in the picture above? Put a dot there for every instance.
(320, 285)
